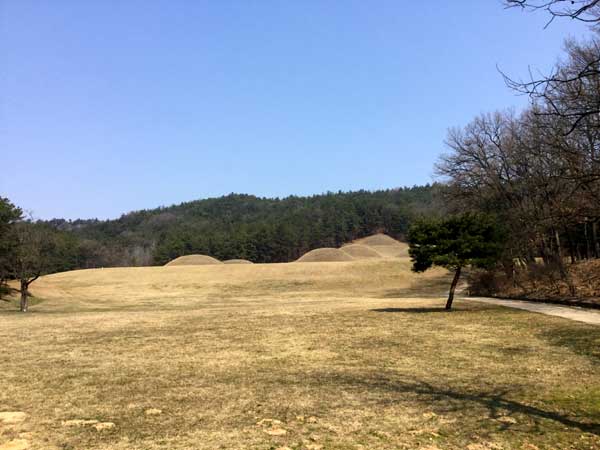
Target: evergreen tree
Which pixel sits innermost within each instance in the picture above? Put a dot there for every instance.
(454, 243)
(9, 214)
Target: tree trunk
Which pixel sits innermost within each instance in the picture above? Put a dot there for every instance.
(453, 288)
(545, 251)
(564, 274)
(24, 296)
(558, 246)
(596, 245)
(588, 244)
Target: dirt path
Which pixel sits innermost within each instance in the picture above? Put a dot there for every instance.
(567, 312)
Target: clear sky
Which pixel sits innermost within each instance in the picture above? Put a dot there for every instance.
(112, 106)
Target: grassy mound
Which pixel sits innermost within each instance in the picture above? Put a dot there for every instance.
(377, 239)
(237, 261)
(325, 255)
(359, 251)
(385, 245)
(193, 260)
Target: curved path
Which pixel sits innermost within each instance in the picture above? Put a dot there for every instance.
(567, 312)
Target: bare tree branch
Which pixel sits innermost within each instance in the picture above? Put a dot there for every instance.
(571, 91)
(582, 10)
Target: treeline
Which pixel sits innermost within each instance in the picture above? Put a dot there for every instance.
(242, 226)
(538, 171)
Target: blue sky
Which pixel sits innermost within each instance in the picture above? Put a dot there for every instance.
(112, 106)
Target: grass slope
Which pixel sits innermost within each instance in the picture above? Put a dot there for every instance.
(347, 355)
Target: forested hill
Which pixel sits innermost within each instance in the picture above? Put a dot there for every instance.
(244, 226)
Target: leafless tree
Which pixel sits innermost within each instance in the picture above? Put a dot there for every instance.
(539, 171)
(540, 182)
(572, 89)
(583, 10)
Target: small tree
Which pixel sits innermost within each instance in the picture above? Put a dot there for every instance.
(33, 255)
(456, 242)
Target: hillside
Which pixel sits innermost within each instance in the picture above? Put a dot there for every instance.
(240, 226)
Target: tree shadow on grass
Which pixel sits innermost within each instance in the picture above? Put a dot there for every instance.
(445, 400)
(497, 403)
(430, 288)
(441, 309)
(583, 340)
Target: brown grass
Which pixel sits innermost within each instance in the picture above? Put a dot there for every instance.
(350, 355)
(193, 260)
(237, 261)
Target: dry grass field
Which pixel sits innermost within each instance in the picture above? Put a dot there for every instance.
(347, 355)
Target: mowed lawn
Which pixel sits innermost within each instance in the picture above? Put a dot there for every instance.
(352, 355)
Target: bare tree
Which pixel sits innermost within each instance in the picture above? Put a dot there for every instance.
(543, 184)
(572, 90)
(539, 172)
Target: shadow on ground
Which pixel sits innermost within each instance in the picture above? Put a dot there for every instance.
(431, 288)
(411, 310)
(583, 340)
(443, 400)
